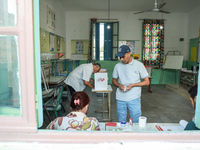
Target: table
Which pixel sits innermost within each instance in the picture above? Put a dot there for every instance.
(52, 82)
(149, 127)
(162, 74)
(149, 69)
(55, 79)
(108, 91)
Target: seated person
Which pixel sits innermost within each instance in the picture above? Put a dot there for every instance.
(76, 119)
(193, 93)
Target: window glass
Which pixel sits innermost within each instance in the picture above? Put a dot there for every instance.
(93, 41)
(8, 13)
(9, 76)
(101, 41)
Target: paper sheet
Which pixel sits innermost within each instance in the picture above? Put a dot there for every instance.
(182, 126)
(172, 128)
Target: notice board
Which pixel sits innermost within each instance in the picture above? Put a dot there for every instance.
(173, 62)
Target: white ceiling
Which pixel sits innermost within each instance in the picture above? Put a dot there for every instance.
(129, 5)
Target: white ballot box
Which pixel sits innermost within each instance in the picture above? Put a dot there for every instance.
(101, 80)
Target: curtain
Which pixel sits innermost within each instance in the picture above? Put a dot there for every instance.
(153, 43)
(92, 20)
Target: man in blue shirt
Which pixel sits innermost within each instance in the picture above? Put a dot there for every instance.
(127, 76)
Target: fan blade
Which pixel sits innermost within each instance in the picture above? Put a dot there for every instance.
(162, 11)
(142, 12)
(161, 5)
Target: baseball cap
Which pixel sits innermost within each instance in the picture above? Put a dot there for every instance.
(123, 50)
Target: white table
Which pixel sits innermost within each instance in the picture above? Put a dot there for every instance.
(108, 91)
(149, 127)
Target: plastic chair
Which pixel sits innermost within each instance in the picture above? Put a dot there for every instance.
(71, 66)
(59, 72)
(67, 94)
(77, 63)
(54, 103)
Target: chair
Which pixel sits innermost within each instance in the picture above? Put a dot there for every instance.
(71, 65)
(77, 63)
(59, 68)
(149, 69)
(67, 94)
(54, 103)
(45, 74)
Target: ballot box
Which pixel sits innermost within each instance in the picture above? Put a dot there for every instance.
(101, 80)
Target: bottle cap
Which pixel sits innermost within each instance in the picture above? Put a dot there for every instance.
(123, 123)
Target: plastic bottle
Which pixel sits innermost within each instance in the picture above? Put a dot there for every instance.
(194, 69)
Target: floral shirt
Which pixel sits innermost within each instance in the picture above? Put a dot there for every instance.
(75, 121)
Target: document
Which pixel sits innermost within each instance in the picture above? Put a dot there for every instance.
(182, 126)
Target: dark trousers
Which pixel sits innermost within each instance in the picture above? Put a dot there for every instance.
(71, 89)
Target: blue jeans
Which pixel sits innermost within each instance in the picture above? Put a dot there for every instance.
(134, 107)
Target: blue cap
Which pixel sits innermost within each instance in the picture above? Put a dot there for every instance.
(123, 50)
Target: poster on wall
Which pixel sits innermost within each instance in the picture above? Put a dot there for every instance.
(51, 41)
(131, 45)
(58, 43)
(79, 47)
(51, 18)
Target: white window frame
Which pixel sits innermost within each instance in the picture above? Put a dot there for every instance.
(24, 31)
(24, 128)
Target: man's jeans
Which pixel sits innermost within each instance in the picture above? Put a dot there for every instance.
(134, 107)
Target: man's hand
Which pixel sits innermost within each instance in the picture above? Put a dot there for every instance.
(92, 80)
(87, 83)
(121, 87)
(128, 87)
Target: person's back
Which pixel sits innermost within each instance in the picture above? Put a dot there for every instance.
(80, 77)
(76, 119)
(76, 78)
(193, 93)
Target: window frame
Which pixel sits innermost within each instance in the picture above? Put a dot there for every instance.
(24, 30)
(115, 45)
(24, 128)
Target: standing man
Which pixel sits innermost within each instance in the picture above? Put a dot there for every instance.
(127, 76)
(80, 77)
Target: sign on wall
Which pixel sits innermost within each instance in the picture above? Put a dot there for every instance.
(51, 18)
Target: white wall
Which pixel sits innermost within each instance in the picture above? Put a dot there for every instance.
(76, 25)
(130, 27)
(194, 26)
(194, 23)
(60, 22)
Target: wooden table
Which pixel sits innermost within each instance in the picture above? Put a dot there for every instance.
(108, 91)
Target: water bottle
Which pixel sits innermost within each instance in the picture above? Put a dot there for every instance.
(194, 69)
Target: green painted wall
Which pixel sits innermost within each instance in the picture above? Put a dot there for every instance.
(168, 76)
(109, 65)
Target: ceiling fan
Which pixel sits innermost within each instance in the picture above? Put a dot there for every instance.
(155, 9)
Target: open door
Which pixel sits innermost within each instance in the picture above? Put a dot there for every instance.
(115, 39)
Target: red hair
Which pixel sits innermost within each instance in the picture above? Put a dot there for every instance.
(79, 100)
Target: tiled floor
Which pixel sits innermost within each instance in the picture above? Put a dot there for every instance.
(161, 106)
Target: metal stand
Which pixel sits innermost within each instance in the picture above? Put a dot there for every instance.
(109, 90)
